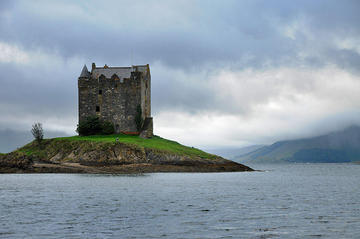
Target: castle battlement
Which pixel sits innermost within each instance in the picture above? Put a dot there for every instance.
(114, 94)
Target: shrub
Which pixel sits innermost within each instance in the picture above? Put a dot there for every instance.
(89, 126)
(93, 125)
(107, 127)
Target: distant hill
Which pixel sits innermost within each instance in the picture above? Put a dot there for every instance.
(337, 147)
(231, 153)
(246, 150)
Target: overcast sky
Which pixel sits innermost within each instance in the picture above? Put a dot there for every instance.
(224, 73)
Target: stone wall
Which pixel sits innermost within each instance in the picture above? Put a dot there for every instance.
(114, 99)
(147, 130)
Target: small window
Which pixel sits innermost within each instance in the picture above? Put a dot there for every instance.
(100, 92)
(97, 108)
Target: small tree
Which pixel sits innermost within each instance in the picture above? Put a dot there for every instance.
(38, 132)
(138, 118)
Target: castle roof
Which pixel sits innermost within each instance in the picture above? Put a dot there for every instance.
(85, 73)
(121, 72)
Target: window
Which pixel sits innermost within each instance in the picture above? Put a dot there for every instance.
(97, 108)
(100, 92)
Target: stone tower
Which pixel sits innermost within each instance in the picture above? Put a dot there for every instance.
(114, 94)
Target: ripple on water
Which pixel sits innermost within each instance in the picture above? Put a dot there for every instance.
(283, 202)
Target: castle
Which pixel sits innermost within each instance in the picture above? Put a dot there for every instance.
(115, 94)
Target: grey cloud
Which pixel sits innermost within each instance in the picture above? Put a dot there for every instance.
(218, 33)
(346, 59)
(180, 90)
(6, 5)
(12, 139)
(186, 43)
(37, 91)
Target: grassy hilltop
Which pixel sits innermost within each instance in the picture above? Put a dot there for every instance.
(155, 142)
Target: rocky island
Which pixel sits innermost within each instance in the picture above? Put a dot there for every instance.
(115, 133)
(112, 154)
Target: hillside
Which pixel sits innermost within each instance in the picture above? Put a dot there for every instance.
(113, 154)
(246, 150)
(337, 147)
(231, 152)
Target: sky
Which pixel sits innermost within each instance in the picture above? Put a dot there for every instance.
(225, 74)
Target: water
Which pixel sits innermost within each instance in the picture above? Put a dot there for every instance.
(287, 201)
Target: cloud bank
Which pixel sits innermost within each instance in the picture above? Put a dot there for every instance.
(228, 73)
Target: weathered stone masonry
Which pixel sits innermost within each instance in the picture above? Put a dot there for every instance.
(114, 93)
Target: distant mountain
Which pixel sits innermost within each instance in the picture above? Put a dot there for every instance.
(337, 147)
(231, 153)
(245, 150)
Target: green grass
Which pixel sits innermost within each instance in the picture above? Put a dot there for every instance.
(29, 150)
(155, 142)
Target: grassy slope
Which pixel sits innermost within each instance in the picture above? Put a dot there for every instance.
(155, 142)
(277, 152)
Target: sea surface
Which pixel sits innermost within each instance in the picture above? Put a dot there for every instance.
(284, 201)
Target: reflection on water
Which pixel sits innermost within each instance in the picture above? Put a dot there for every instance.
(284, 201)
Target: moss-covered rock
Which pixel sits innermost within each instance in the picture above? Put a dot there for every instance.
(16, 160)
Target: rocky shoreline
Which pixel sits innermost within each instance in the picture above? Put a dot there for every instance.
(121, 169)
(96, 157)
